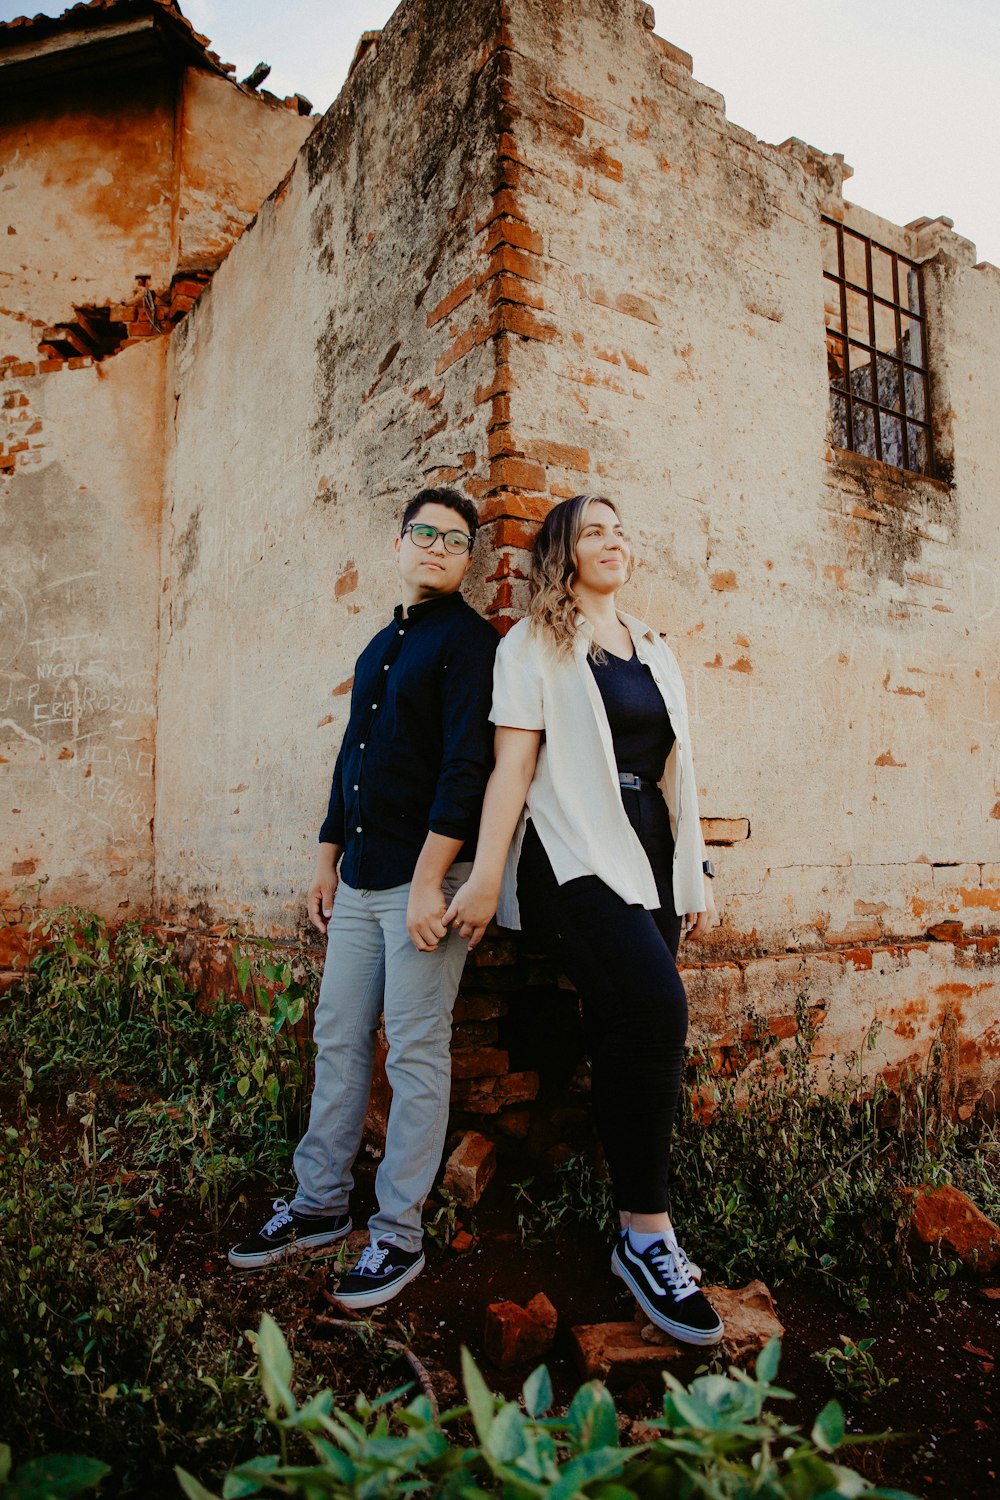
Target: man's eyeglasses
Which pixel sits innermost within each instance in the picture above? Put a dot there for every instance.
(422, 535)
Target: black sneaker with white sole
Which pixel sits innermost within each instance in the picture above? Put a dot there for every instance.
(380, 1272)
(662, 1284)
(693, 1270)
(288, 1232)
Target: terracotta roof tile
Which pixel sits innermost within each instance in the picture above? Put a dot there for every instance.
(26, 26)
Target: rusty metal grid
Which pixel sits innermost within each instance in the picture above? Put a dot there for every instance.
(876, 340)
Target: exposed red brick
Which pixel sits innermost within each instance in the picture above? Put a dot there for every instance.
(520, 507)
(503, 597)
(579, 102)
(513, 232)
(479, 1062)
(459, 349)
(500, 414)
(506, 567)
(561, 455)
(22, 368)
(470, 1168)
(946, 932)
(517, 1088)
(500, 385)
(675, 55)
(945, 1216)
(505, 288)
(479, 1006)
(513, 533)
(564, 121)
(517, 262)
(454, 298)
(501, 443)
(635, 365)
(347, 582)
(511, 318)
(515, 1334)
(505, 201)
(516, 473)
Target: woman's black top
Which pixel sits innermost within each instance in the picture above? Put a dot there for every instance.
(640, 725)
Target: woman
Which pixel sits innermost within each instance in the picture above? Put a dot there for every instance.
(590, 716)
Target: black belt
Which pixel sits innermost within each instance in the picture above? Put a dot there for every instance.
(635, 783)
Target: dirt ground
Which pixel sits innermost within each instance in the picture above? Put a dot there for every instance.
(942, 1411)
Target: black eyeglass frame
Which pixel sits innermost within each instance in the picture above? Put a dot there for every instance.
(425, 527)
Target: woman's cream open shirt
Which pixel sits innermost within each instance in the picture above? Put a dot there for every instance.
(574, 799)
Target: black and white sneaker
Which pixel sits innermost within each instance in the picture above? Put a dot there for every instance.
(664, 1288)
(381, 1271)
(694, 1271)
(289, 1233)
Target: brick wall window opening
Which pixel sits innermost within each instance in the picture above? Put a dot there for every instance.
(876, 350)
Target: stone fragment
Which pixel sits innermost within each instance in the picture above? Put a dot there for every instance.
(749, 1316)
(516, 1123)
(469, 1168)
(515, 1335)
(610, 1351)
(462, 1241)
(945, 1216)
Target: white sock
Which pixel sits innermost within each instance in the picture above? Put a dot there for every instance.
(642, 1242)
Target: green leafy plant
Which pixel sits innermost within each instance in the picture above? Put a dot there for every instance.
(853, 1369)
(56, 1474)
(715, 1438)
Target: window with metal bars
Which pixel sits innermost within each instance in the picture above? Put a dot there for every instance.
(876, 350)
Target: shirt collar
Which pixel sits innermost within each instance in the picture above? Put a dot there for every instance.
(425, 607)
(637, 629)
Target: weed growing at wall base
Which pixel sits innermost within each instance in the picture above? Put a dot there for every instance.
(777, 1171)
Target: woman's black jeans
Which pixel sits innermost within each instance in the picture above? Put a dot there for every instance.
(620, 958)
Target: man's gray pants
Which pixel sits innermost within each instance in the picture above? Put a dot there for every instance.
(372, 967)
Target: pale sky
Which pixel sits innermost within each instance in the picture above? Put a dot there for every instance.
(908, 90)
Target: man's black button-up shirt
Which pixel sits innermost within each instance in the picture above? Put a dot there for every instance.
(418, 748)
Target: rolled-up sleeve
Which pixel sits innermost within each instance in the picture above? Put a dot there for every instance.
(467, 750)
(517, 683)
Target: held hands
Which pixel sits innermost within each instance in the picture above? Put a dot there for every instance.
(471, 911)
(425, 917)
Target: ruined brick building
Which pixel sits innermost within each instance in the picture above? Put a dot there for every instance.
(524, 252)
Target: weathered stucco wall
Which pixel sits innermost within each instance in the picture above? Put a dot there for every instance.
(575, 273)
(102, 180)
(527, 253)
(88, 191)
(79, 631)
(313, 391)
(143, 175)
(837, 622)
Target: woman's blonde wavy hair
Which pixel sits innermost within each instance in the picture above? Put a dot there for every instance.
(552, 607)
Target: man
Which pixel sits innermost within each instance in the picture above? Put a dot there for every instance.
(401, 826)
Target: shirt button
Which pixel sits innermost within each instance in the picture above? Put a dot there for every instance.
(355, 786)
(357, 830)
(362, 745)
(374, 705)
(386, 667)
(402, 632)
